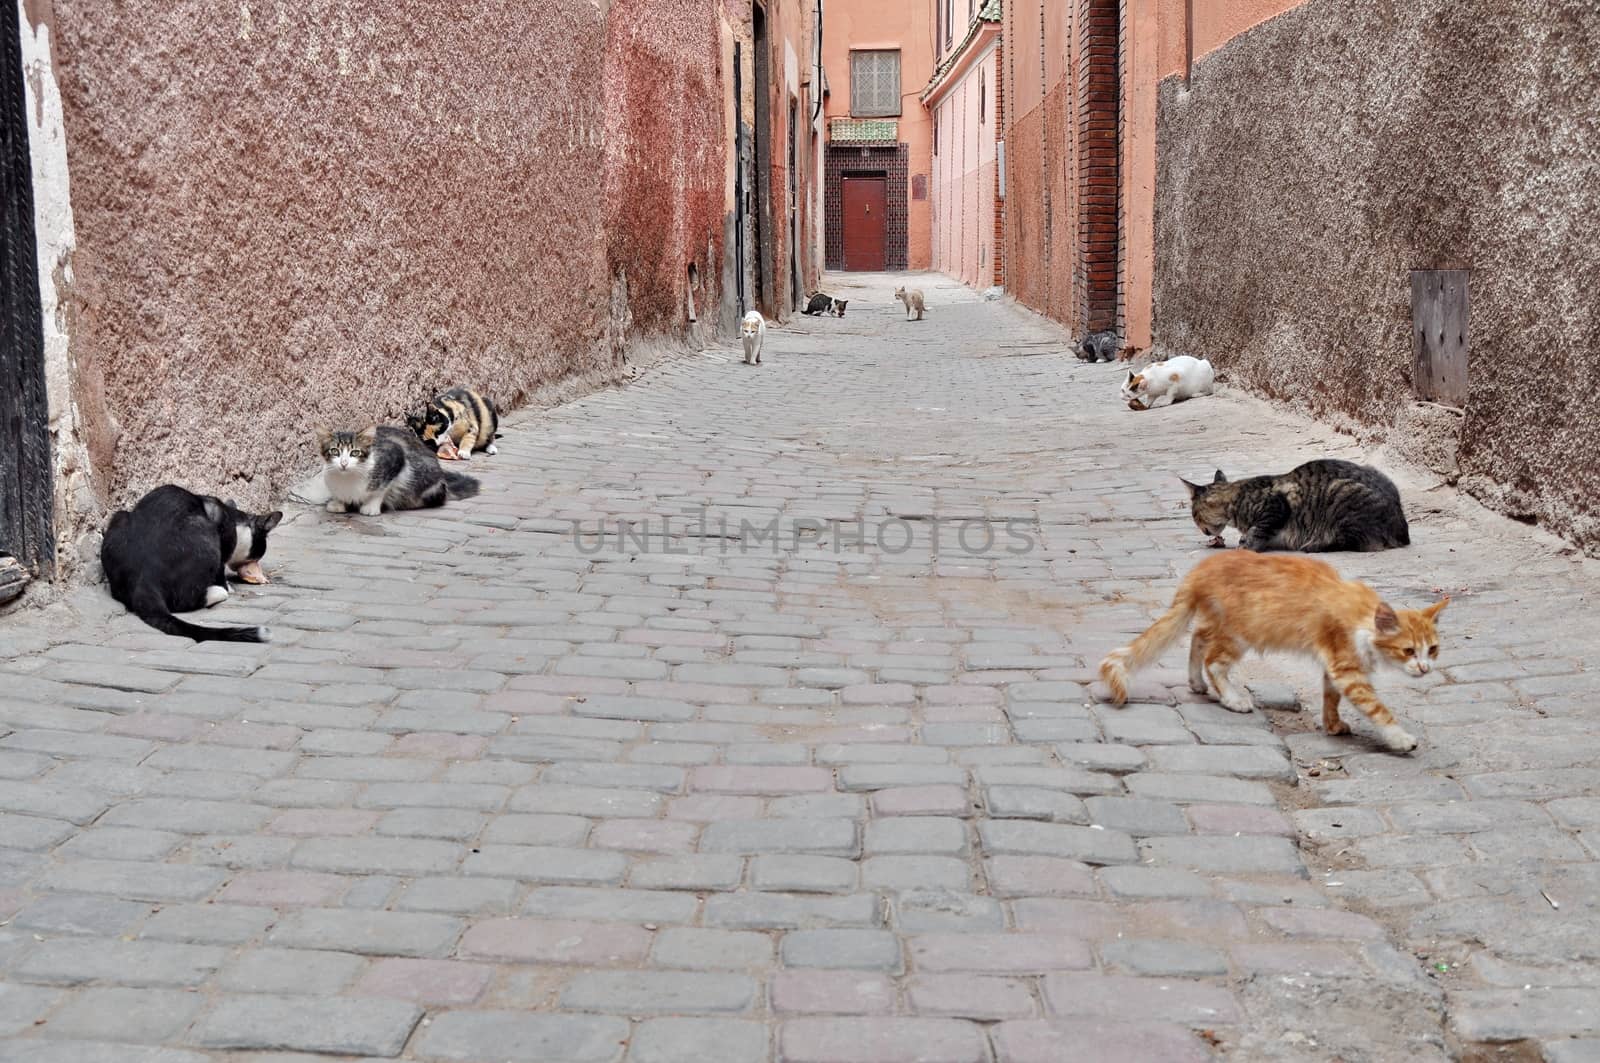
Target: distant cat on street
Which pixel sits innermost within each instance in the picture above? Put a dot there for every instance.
(1322, 505)
(753, 333)
(1181, 378)
(385, 468)
(913, 301)
(825, 304)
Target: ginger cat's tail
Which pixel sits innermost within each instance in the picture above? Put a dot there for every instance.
(1119, 665)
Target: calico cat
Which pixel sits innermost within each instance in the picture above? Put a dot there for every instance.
(1322, 505)
(753, 335)
(821, 304)
(1244, 601)
(1182, 378)
(1098, 346)
(913, 301)
(171, 554)
(385, 468)
(456, 422)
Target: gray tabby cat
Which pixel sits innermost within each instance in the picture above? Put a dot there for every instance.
(1322, 505)
(385, 468)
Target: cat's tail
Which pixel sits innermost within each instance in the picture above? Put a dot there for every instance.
(458, 485)
(1119, 665)
(147, 604)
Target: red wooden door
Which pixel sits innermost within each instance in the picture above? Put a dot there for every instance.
(866, 222)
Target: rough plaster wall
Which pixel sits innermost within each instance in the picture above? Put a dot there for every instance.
(322, 211)
(665, 158)
(1322, 155)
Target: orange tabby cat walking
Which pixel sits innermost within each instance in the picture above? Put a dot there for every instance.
(1242, 600)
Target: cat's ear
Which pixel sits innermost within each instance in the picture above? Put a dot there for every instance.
(324, 437)
(367, 436)
(271, 520)
(213, 509)
(1193, 489)
(1219, 478)
(1385, 620)
(231, 504)
(1432, 612)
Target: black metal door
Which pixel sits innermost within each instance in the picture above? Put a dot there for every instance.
(25, 494)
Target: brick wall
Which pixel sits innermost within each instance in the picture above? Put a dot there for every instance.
(891, 160)
(1099, 91)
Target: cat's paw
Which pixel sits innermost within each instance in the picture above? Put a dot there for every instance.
(1397, 738)
(1234, 701)
(1197, 684)
(216, 596)
(491, 449)
(335, 506)
(1337, 727)
(372, 508)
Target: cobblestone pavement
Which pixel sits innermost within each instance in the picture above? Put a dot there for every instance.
(818, 793)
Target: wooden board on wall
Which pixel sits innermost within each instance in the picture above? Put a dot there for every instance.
(1439, 335)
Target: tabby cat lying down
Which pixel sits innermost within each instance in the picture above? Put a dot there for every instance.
(385, 468)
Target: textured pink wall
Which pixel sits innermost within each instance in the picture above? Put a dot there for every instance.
(295, 213)
(964, 176)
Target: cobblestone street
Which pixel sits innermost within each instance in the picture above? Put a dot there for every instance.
(730, 791)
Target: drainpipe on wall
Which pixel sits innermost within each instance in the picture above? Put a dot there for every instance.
(1188, 41)
(738, 171)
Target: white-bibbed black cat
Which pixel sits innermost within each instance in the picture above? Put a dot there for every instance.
(385, 468)
(171, 554)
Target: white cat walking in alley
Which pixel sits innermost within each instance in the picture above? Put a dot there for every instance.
(752, 333)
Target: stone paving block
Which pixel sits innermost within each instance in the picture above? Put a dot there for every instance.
(207, 924)
(1068, 779)
(370, 933)
(41, 1051)
(133, 881)
(911, 872)
(1581, 1050)
(810, 992)
(1303, 960)
(74, 961)
(585, 801)
(1183, 788)
(660, 992)
(787, 911)
(1038, 876)
(697, 872)
(66, 913)
(760, 780)
(857, 950)
(1322, 823)
(446, 824)
(803, 874)
(1122, 998)
(290, 971)
(611, 905)
(922, 801)
(518, 1037)
(690, 1040)
(915, 834)
(74, 805)
(1029, 838)
(817, 806)
(1031, 953)
(828, 837)
(545, 864)
(1157, 957)
(307, 1024)
(22, 1005)
(881, 1040)
(537, 830)
(971, 997)
(1137, 816)
(1299, 923)
(438, 982)
(1244, 762)
(930, 910)
(459, 896)
(867, 777)
(1032, 802)
(555, 941)
(1096, 1042)
(695, 948)
(281, 889)
(1225, 854)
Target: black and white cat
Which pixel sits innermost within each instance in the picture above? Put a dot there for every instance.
(385, 468)
(171, 554)
(822, 303)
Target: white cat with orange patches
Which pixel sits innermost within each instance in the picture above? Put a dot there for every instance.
(1242, 601)
(1183, 377)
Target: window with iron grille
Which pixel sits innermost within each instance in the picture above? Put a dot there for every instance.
(874, 84)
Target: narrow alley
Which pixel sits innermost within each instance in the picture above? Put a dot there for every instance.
(770, 777)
